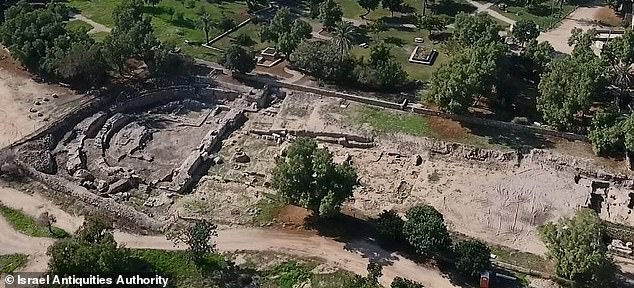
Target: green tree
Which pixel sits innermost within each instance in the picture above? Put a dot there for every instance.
(330, 14)
(619, 53)
(152, 2)
(539, 55)
(376, 27)
(433, 23)
(455, 86)
(308, 177)
(606, 133)
(321, 60)
(206, 24)
(281, 24)
(238, 59)
(198, 238)
(525, 31)
(425, 230)
(164, 62)
(369, 6)
(569, 87)
(478, 30)
(301, 30)
(393, 5)
(83, 62)
(342, 37)
(405, 283)
(390, 226)
(92, 250)
(576, 245)
(472, 257)
(375, 271)
(33, 34)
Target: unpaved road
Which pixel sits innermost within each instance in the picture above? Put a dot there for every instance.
(352, 256)
(582, 18)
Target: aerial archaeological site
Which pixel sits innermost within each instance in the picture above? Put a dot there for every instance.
(318, 143)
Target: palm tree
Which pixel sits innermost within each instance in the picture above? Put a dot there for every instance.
(342, 37)
(206, 24)
(623, 80)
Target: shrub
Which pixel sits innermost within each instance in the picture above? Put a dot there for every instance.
(390, 226)
(520, 120)
(244, 40)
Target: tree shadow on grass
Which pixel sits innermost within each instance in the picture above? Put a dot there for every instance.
(394, 41)
(541, 10)
(156, 10)
(451, 8)
(401, 19)
(184, 23)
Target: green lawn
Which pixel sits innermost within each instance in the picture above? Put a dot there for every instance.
(179, 269)
(541, 14)
(27, 225)
(251, 30)
(522, 259)
(77, 25)
(99, 36)
(402, 43)
(166, 27)
(385, 121)
(269, 209)
(352, 9)
(11, 262)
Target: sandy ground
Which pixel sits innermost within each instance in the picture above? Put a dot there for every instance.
(18, 94)
(496, 202)
(582, 17)
(352, 256)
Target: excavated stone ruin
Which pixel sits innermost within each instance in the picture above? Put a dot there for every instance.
(150, 146)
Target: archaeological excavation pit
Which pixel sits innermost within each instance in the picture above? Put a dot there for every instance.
(142, 150)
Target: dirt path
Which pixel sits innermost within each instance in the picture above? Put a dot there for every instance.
(96, 27)
(486, 9)
(352, 256)
(582, 17)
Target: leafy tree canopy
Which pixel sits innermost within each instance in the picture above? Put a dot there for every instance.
(475, 30)
(576, 244)
(472, 257)
(426, 231)
(569, 87)
(330, 14)
(455, 85)
(405, 283)
(238, 59)
(308, 177)
(525, 31)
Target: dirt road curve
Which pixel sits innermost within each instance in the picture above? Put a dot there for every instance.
(352, 256)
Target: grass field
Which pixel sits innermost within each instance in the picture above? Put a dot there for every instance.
(78, 24)
(99, 36)
(27, 225)
(402, 43)
(384, 121)
(522, 259)
(541, 14)
(168, 28)
(177, 266)
(352, 9)
(11, 262)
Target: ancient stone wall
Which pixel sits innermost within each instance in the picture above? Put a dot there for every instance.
(124, 215)
(416, 108)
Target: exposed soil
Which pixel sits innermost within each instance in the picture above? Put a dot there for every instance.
(26, 105)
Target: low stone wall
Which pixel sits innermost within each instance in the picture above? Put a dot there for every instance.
(415, 108)
(183, 177)
(125, 216)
